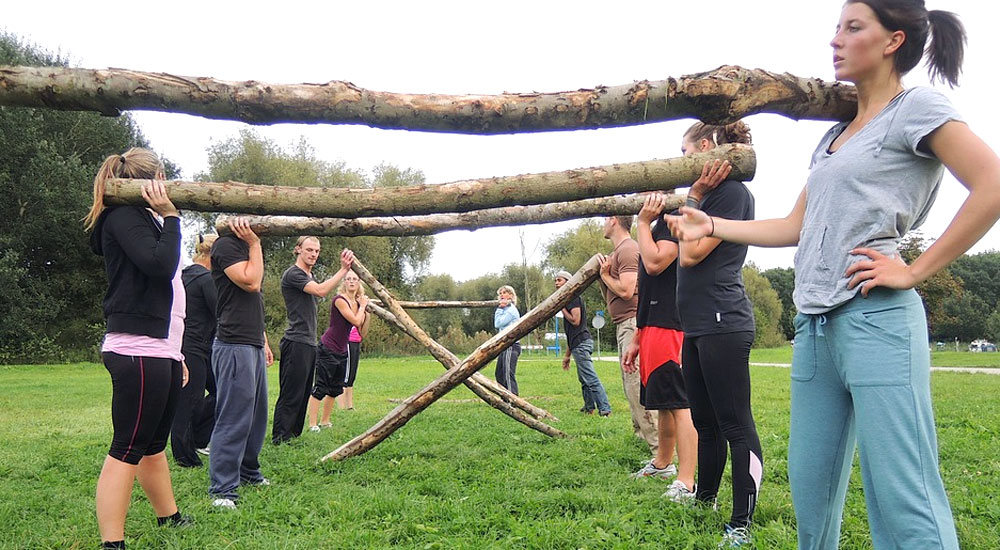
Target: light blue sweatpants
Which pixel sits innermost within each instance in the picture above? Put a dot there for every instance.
(862, 373)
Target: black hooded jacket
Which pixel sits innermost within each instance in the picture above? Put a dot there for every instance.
(141, 259)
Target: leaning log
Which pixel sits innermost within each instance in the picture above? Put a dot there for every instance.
(477, 382)
(432, 304)
(460, 196)
(284, 226)
(492, 393)
(480, 357)
(723, 95)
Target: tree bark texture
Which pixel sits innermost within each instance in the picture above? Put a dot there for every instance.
(432, 304)
(722, 95)
(448, 359)
(500, 398)
(284, 226)
(480, 357)
(460, 196)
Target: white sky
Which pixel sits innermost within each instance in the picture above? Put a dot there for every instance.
(480, 47)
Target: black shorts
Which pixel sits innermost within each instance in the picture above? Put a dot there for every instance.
(144, 394)
(331, 373)
(664, 390)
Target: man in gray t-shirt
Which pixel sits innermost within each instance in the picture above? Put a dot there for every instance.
(298, 346)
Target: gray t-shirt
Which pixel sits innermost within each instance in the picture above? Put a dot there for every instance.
(300, 305)
(877, 186)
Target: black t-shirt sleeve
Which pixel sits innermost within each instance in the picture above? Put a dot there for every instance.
(295, 278)
(661, 231)
(730, 200)
(208, 292)
(574, 303)
(228, 251)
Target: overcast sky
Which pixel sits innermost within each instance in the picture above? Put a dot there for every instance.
(488, 48)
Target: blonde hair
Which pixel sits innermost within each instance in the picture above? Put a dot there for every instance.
(343, 283)
(137, 163)
(302, 239)
(203, 248)
(510, 290)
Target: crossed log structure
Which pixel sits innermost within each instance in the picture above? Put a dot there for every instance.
(458, 372)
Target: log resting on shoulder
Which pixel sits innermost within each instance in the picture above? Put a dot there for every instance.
(460, 196)
(723, 95)
(475, 361)
(401, 226)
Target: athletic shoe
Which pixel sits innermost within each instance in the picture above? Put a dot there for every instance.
(327, 425)
(650, 470)
(605, 414)
(225, 503)
(262, 482)
(679, 493)
(175, 521)
(735, 537)
(314, 429)
(585, 410)
(203, 451)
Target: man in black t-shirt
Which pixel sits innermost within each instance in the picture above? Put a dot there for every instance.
(580, 345)
(298, 345)
(240, 356)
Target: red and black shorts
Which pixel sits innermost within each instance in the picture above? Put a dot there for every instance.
(662, 381)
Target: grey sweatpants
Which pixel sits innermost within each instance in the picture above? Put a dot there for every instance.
(240, 417)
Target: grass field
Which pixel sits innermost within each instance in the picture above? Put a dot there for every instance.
(459, 475)
(938, 358)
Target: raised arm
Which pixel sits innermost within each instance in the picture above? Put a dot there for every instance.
(356, 318)
(247, 275)
(324, 289)
(655, 255)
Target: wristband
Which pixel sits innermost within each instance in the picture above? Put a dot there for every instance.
(712, 233)
(692, 202)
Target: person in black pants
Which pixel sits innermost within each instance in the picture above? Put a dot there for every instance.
(144, 308)
(199, 330)
(298, 345)
(718, 323)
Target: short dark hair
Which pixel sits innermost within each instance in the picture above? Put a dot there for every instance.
(625, 222)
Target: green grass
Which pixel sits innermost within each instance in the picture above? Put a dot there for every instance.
(459, 475)
(783, 355)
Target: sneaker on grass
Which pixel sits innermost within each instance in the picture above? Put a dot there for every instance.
(314, 429)
(203, 451)
(678, 492)
(735, 537)
(224, 503)
(650, 470)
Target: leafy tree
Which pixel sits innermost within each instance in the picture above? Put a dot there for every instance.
(993, 326)
(782, 280)
(944, 294)
(51, 284)
(571, 249)
(980, 273)
(767, 308)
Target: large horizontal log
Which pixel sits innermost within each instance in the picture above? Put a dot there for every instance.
(460, 196)
(432, 304)
(482, 355)
(723, 95)
(283, 226)
(501, 398)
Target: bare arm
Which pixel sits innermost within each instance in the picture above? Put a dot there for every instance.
(693, 224)
(353, 317)
(655, 256)
(322, 290)
(572, 316)
(975, 166)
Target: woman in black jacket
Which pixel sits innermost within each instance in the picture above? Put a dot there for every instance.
(199, 330)
(144, 307)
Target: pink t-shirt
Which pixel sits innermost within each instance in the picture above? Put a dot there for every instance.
(144, 346)
(354, 336)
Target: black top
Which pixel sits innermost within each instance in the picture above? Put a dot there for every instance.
(199, 324)
(140, 258)
(577, 334)
(300, 305)
(658, 294)
(710, 295)
(240, 313)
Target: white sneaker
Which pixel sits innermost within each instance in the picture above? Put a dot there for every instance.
(650, 470)
(314, 429)
(203, 451)
(678, 492)
(735, 537)
(226, 503)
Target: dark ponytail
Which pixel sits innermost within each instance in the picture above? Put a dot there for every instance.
(736, 132)
(946, 50)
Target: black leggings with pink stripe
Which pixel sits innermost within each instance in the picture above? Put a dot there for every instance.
(144, 393)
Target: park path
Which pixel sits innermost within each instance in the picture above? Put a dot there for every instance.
(974, 370)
